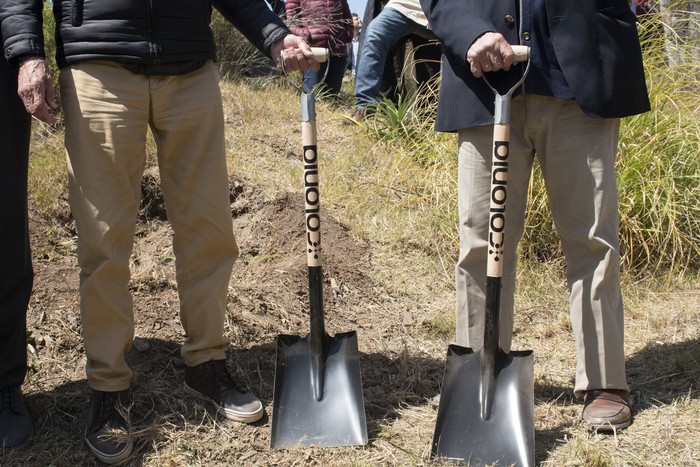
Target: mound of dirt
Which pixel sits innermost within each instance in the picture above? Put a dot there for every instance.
(268, 296)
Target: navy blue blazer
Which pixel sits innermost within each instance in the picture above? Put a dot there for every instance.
(595, 42)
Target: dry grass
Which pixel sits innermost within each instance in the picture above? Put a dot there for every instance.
(385, 198)
(381, 193)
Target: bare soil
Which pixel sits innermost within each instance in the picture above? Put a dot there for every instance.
(268, 296)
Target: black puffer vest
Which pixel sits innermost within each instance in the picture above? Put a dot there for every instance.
(135, 31)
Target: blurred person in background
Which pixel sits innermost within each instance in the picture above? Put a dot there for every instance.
(397, 19)
(327, 24)
(354, 46)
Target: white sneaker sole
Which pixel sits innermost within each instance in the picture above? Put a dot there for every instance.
(231, 414)
(112, 459)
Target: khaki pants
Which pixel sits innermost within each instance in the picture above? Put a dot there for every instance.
(577, 156)
(107, 113)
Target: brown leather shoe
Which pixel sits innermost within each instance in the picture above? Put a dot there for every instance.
(357, 117)
(606, 410)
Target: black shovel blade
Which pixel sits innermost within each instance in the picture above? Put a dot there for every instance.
(507, 437)
(298, 418)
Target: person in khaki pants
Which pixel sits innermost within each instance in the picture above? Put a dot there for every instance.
(585, 74)
(127, 67)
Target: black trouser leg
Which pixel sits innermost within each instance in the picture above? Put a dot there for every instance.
(16, 274)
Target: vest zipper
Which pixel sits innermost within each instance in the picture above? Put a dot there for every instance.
(154, 43)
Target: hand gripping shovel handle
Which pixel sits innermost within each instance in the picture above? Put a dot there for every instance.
(496, 236)
(320, 55)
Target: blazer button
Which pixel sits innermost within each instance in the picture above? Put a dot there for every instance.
(526, 36)
(509, 19)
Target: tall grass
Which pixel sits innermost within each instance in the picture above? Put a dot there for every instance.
(421, 174)
(658, 166)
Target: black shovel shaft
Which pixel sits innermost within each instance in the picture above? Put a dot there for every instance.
(312, 203)
(317, 334)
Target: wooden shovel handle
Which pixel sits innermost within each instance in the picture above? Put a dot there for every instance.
(311, 194)
(320, 54)
(522, 53)
(497, 207)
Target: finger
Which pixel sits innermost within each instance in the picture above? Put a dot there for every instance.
(485, 63)
(44, 113)
(495, 59)
(475, 68)
(310, 59)
(285, 61)
(473, 61)
(305, 55)
(39, 100)
(28, 101)
(289, 60)
(508, 56)
(301, 59)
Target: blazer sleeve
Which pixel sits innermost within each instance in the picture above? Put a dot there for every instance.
(458, 23)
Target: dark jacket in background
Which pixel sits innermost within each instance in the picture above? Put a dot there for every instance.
(595, 42)
(134, 31)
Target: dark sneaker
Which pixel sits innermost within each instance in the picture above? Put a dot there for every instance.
(108, 433)
(15, 422)
(211, 381)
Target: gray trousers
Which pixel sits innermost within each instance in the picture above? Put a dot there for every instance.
(577, 157)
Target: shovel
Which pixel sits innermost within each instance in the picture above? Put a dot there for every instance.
(486, 411)
(318, 391)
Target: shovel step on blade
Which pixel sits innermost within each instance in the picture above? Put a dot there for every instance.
(298, 418)
(507, 437)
